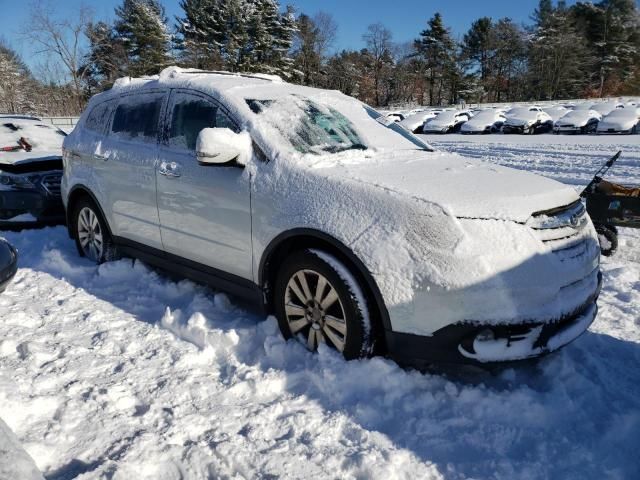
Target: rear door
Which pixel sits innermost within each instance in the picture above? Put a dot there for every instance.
(126, 166)
(205, 211)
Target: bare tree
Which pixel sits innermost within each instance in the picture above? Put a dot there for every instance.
(61, 38)
(326, 32)
(379, 41)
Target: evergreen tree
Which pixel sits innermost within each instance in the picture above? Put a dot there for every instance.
(200, 34)
(437, 49)
(477, 44)
(610, 30)
(107, 58)
(557, 56)
(142, 27)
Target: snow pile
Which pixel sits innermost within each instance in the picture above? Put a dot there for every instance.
(15, 463)
(120, 372)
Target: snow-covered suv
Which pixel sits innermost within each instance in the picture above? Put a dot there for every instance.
(350, 229)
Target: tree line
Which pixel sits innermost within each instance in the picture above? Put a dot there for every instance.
(584, 50)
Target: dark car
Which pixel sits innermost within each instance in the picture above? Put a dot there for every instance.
(30, 172)
(8, 263)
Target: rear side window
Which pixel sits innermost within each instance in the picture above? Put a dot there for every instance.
(136, 118)
(99, 117)
(190, 116)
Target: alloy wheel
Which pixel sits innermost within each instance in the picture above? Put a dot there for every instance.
(90, 234)
(314, 311)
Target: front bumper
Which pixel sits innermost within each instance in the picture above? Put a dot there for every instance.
(19, 208)
(471, 343)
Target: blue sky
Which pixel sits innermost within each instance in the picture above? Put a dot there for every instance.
(405, 18)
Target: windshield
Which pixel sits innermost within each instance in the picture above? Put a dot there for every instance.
(318, 128)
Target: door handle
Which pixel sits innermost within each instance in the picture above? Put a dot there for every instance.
(169, 169)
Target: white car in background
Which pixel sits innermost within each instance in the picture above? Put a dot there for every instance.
(396, 116)
(487, 121)
(527, 120)
(414, 122)
(556, 111)
(605, 108)
(622, 120)
(447, 122)
(578, 121)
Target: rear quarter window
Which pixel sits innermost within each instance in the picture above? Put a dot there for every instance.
(137, 119)
(98, 117)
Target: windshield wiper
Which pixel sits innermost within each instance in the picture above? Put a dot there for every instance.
(337, 149)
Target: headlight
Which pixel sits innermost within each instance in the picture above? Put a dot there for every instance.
(19, 181)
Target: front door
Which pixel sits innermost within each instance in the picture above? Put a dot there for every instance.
(205, 211)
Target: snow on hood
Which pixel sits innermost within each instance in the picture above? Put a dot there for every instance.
(46, 141)
(522, 116)
(622, 119)
(465, 187)
(578, 118)
(482, 120)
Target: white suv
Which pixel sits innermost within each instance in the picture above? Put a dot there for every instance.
(354, 232)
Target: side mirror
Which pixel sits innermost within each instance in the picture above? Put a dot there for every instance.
(218, 146)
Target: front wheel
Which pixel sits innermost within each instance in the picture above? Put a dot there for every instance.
(608, 238)
(92, 236)
(318, 300)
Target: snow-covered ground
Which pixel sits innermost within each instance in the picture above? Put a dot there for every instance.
(120, 372)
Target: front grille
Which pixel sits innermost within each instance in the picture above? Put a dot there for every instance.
(51, 183)
(563, 230)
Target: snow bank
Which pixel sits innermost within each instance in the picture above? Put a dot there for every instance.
(15, 463)
(120, 372)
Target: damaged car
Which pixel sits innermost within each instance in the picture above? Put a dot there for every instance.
(355, 233)
(30, 172)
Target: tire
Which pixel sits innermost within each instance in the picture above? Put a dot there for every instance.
(301, 316)
(90, 226)
(608, 238)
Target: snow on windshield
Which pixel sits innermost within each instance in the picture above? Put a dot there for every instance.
(317, 128)
(326, 124)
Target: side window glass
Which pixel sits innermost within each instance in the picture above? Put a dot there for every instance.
(137, 119)
(98, 117)
(223, 121)
(189, 117)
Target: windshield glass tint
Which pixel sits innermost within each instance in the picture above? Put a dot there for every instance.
(309, 126)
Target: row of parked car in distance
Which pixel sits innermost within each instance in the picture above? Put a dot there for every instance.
(608, 117)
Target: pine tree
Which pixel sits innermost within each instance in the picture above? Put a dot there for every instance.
(557, 56)
(107, 57)
(437, 49)
(200, 34)
(142, 27)
(283, 32)
(477, 44)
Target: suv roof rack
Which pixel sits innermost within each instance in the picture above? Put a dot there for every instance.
(259, 76)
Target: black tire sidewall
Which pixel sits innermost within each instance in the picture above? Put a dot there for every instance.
(358, 341)
(611, 236)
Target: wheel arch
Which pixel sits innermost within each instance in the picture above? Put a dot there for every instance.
(76, 193)
(300, 238)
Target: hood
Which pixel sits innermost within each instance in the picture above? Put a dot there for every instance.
(522, 118)
(464, 187)
(578, 118)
